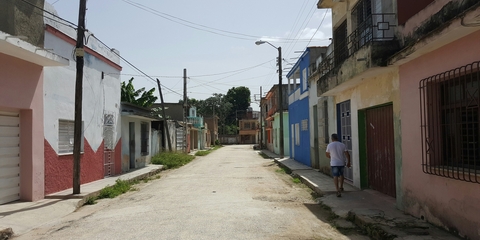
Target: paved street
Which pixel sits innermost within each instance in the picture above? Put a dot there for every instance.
(233, 193)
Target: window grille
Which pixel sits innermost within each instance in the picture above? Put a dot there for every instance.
(66, 137)
(305, 125)
(449, 106)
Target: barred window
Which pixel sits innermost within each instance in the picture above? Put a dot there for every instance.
(449, 104)
(65, 136)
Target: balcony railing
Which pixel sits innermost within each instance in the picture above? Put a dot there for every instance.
(377, 27)
(197, 122)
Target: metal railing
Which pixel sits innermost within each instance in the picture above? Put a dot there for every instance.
(377, 27)
(450, 123)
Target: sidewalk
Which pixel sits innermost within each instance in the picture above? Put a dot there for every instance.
(370, 210)
(22, 217)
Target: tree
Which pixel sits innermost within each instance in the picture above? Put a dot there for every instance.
(239, 97)
(138, 97)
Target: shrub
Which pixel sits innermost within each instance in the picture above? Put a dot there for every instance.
(172, 159)
(120, 187)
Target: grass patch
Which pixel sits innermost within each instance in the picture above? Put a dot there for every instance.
(216, 147)
(206, 152)
(296, 180)
(172, 159)
(203, 153)
(118, 188)
(91, 201)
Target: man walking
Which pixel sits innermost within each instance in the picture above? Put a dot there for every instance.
(337, 152)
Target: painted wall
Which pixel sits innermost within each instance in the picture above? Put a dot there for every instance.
(372, 92)
(140, 161)
(442, 201)
(286, 135)
(298, 113)
(26, 78)
(101, 96)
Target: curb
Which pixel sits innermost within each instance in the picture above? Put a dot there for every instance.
(302, 179)
(83, 199)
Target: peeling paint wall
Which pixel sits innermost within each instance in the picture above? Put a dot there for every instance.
(445, 202)
(371, 92)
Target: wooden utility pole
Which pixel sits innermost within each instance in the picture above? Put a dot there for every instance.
(185, 109)
(77, 132)
(261, 121)
(165, 125)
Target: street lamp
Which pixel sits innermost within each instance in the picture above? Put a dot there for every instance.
(280, 95)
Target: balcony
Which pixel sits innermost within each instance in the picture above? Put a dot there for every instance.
(328, 3)
(197, 122)
(368, 46)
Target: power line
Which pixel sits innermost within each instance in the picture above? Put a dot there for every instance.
(136, 68)
(202, 27)
(324, 15)
(48, 12)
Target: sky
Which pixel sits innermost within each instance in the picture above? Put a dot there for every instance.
(213, 39)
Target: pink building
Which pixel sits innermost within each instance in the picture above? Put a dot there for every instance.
(21, 118)
(400, 84)
(440, 123)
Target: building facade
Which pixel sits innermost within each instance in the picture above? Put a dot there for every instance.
(399, 85)
(101, 146)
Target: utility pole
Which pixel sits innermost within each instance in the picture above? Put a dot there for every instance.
(261, 120)
(165, 125)
(280, 100)
(77, 132)
(185, 109)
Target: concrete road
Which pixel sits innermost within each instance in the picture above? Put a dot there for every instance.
(232, 193)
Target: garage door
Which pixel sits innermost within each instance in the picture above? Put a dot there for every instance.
(9, 157)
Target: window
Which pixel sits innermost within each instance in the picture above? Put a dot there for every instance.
(246, 126)
(450, 123)
(362, 21)
(144, 138)
(340, 43)
(305, 125)
(65, 136)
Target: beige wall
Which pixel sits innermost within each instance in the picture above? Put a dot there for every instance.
(371, 92)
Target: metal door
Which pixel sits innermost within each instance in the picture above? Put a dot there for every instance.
(380, 150)
(9, 156)
(345, 131)
(131, 142)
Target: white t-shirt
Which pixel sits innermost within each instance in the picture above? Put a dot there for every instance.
(337, 153)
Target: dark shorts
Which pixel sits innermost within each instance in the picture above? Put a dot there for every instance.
(337, 171)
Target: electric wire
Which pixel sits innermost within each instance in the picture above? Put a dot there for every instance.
(324, 15)
(136, 68)
(33, 5)
(200, 26)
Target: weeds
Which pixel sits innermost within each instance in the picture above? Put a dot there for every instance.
(120, 187)
(296, 180)
(91, 201)
(172, 159)
(202, 153)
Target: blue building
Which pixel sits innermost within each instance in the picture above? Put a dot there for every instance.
(298, 104)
